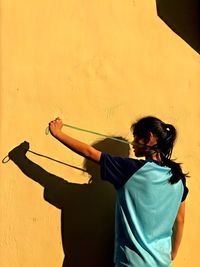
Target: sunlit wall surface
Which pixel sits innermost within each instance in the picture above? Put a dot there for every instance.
(98, 65)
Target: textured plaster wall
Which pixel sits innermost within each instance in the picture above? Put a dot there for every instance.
(98, 65)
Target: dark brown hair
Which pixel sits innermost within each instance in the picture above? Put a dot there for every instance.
(166, 136)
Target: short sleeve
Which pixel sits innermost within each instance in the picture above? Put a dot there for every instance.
(185, 192)
(118, 170)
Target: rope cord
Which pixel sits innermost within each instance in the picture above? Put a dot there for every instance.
(92, 132)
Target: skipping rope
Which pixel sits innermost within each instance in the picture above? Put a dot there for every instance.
(6, 159)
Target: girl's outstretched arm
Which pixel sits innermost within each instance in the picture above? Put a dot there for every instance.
(78, 147)
(178, 230)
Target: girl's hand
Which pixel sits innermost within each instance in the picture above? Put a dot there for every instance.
(55, 126)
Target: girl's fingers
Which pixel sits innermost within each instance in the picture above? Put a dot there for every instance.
(56, 122)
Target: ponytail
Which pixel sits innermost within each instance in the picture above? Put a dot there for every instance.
(166, 147)
(176, 169)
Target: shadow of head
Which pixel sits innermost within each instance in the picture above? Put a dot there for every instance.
(109, 146)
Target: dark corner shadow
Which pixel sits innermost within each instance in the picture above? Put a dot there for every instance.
(183, 17)
(87, 210)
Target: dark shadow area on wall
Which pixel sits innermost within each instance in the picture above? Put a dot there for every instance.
(87, 210)
(183, 17)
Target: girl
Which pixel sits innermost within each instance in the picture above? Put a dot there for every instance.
(151, 193)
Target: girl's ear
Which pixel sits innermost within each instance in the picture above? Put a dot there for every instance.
(152, 139)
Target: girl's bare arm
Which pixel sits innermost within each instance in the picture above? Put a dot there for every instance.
(77, 146)
(178, 230)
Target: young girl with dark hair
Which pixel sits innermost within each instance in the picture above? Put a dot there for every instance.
(151, 193)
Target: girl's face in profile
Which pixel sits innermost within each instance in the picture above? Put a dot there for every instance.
(139, 147)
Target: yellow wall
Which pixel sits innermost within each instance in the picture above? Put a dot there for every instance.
(98, 65)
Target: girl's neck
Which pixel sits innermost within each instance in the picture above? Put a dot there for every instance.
(154, 156)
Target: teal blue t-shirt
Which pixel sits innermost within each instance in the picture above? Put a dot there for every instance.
(146, 208)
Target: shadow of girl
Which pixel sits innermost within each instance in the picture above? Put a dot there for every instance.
(87, 210)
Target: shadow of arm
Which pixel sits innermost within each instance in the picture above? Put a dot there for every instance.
(54, 186)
